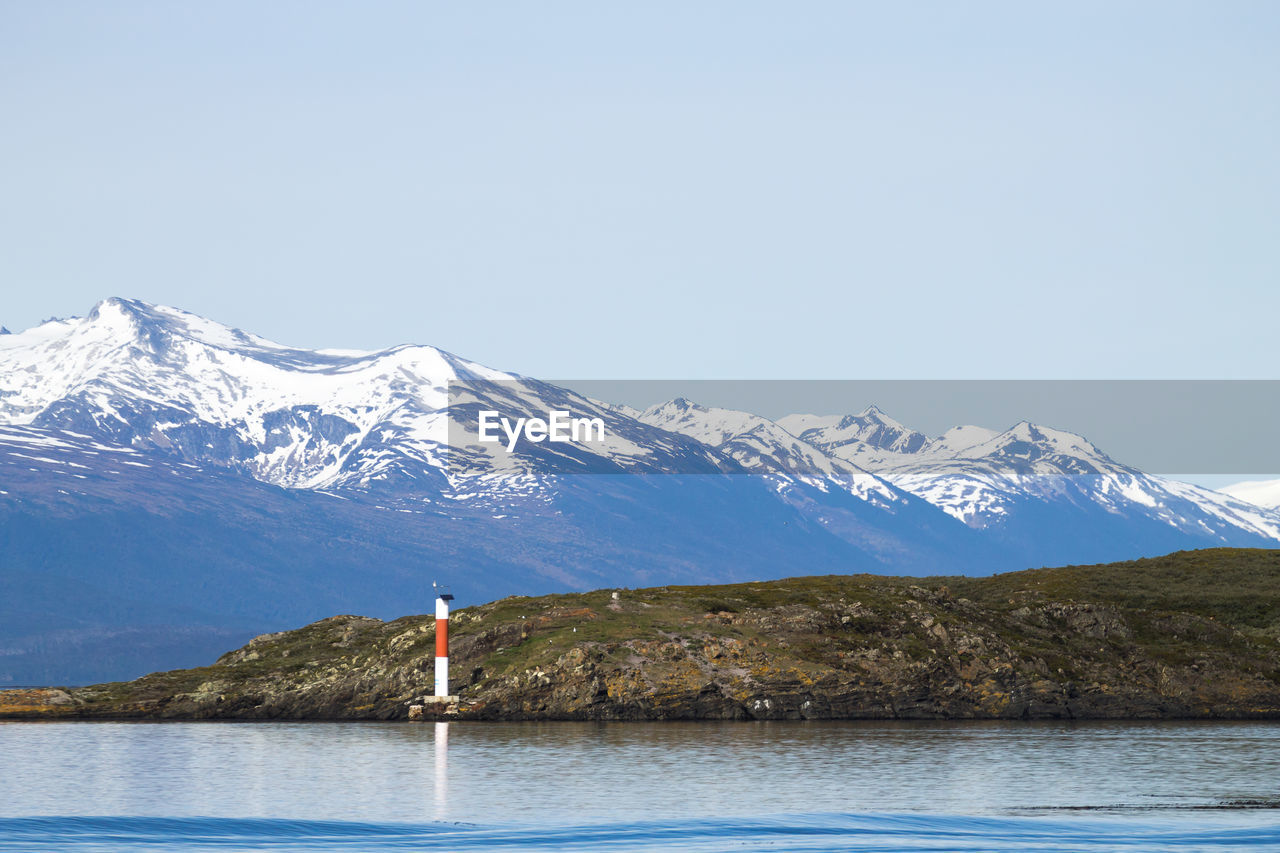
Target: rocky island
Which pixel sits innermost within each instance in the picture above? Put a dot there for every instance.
(1195, 634)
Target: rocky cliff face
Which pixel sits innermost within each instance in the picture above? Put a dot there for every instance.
(1193, 634)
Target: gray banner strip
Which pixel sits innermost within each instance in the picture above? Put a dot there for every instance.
(1222, 427)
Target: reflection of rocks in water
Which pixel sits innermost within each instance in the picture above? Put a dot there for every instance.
(1221, 805)
(1251, 804)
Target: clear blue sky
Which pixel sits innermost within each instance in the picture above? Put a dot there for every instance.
(663, 189)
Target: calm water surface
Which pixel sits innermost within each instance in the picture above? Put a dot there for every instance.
(633, 786)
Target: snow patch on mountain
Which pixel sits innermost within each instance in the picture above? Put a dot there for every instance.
(762, 446)
(1263, 493)
(153, 376)
(960, 438)
(869, 439)
(393, 421)
(982, 477)
(398, 425)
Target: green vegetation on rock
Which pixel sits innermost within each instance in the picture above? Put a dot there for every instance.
(1191, 634)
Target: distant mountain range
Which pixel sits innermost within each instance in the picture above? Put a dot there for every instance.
(169, 486)
(1264, 493)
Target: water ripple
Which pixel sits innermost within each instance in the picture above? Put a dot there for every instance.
(818, 832)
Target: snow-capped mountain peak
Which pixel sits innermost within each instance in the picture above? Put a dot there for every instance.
(149, 350)
(399, 420)
(152, 376)
(763, 446)
(385, 424)
(961, 438)
(982, 476)
(1026, 442)
(866, 439)
(874, 413)
(711, 426)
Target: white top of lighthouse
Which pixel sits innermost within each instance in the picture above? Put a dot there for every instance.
(442, 600)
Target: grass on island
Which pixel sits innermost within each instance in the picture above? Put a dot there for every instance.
(1172, 604)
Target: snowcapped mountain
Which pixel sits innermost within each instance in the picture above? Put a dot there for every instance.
(996, 480)
(158, 378)
(399, 426)
(1029, 489)
(1263, 493)
(855, 505)
(866, 439)
(169, 484)
(763, 447)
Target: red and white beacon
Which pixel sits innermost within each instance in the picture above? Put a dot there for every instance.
(442, 640)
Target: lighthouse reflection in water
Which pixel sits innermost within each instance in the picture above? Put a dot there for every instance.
(441, 795)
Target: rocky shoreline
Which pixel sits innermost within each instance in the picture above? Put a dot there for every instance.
(1190, 635)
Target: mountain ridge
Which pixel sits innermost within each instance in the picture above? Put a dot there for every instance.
(206, 444)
